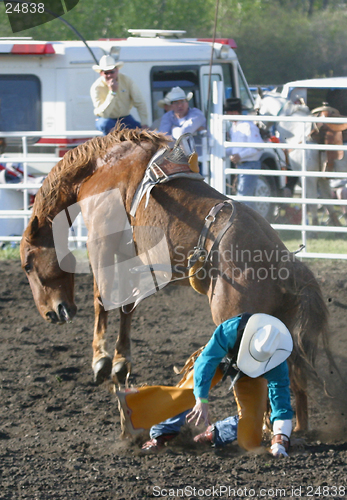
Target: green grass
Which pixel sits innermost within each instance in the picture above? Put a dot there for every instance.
(8, 253)
(319, 243)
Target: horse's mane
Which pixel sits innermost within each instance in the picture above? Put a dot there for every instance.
(80, 162)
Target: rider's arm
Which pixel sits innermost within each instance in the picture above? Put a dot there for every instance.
(223, 339)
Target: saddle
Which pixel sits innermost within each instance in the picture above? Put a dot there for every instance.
(168, 164)
(328, 133)
(328, 111)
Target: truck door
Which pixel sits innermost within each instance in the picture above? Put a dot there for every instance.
(206, 85)
(243, 91)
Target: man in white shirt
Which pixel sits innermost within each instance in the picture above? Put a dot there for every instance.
(243, 157)
(181, 119)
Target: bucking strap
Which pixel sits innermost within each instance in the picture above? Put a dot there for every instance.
(200, 250)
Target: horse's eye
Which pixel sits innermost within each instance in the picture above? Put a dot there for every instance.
(27, 268)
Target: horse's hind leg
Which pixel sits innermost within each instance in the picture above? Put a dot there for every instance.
(102, 363)
(300, 394)
(121, 364)
(297, 375)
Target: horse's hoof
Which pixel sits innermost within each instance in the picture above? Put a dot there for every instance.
(121, 371)
(102, 370)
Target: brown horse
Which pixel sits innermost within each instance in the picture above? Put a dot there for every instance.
(252, 270)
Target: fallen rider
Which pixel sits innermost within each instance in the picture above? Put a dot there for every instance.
(256, 347)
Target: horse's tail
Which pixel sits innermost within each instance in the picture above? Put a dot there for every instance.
(309, 322)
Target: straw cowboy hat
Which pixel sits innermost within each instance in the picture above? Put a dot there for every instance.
(107, 63)
(177, 94)
(164, 102)
(266, 343)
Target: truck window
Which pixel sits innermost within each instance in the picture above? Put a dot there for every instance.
(20, 103)
(229, 87)
(245, 95)
(336, 98)
(163, 78)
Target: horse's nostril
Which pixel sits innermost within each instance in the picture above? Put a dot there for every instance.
(65, 312)
(51, 316)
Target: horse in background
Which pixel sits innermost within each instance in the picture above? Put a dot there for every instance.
(272, 103)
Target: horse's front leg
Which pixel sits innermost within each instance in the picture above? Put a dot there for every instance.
(121, 365)
(102, 363)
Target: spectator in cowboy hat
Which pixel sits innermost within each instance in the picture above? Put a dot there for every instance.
(114, 95)
(181, 119)
(165, 104)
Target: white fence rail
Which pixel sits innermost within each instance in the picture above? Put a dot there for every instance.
(219, 170)
(19, 201)
(214, 162)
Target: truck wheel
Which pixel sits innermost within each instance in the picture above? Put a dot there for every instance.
(265, 187)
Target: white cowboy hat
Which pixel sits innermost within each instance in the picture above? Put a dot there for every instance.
(107, 63)
(177, 94)
(266, 342)
(164, 102)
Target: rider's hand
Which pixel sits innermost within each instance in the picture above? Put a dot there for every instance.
(199, 413)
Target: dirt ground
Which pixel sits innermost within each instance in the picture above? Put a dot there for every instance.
(59, 433)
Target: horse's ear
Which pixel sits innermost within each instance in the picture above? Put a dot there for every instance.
(260, 92)
(34, 226)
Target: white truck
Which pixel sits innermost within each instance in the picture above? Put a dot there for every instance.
(315, 91)
(45, 87)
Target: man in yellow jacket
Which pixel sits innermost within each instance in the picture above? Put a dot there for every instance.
(114, 95)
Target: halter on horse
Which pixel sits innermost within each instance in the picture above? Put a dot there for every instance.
(249, 269)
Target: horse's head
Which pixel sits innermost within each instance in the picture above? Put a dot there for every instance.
(52, 288)
(269, 103)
